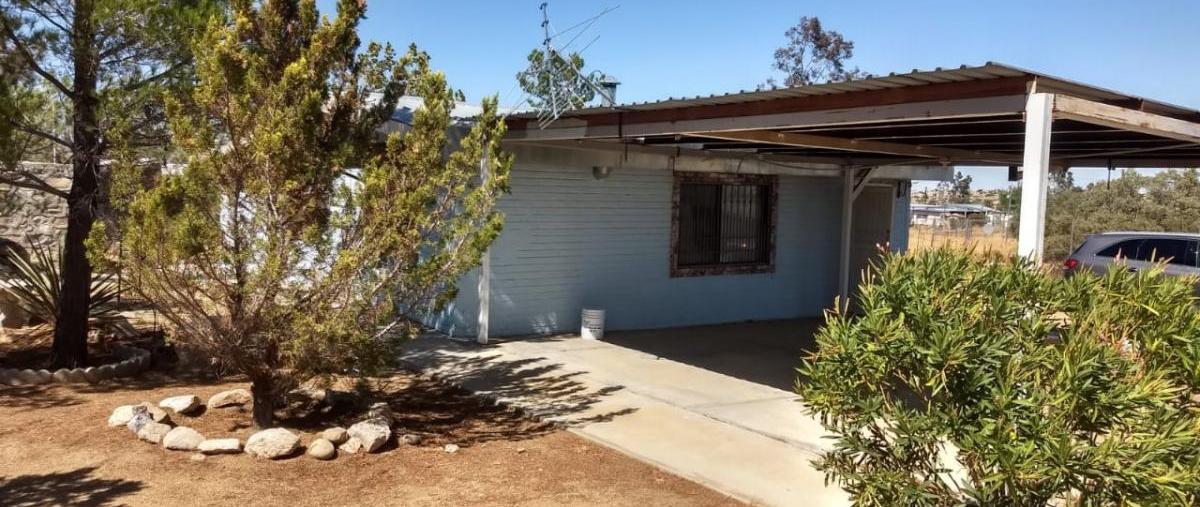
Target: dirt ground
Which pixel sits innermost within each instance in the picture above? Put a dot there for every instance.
(56, 449)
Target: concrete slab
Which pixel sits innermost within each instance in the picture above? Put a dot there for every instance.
(746, 439)
(765, 352)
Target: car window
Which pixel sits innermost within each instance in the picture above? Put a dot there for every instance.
(1127, 249)
(1174, 251)
(1192, 258)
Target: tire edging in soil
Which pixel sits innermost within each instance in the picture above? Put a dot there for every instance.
(134, 361)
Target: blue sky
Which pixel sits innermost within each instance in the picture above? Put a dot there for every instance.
(678, 48)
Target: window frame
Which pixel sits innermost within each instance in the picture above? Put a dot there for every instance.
(770, 181)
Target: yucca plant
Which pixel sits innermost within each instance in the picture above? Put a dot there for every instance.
(991, 382)
(37, 280)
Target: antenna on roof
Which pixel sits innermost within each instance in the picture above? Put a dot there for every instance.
(555, 80)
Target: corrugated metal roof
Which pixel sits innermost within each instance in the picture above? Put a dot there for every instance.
(989, 70)
(953, 208)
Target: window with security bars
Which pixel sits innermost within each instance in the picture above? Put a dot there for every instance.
(723, 224)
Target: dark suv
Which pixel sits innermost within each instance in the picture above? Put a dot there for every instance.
(1137, 251)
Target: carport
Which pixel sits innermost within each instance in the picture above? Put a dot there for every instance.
(1017, 120)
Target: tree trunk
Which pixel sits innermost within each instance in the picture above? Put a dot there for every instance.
(263, 393)
(74, 298)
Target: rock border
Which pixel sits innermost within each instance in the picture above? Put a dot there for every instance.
(150, 423)
(134, 360)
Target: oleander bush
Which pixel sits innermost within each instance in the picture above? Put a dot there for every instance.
(990, 382)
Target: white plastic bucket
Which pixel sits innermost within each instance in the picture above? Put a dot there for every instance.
(592, 327)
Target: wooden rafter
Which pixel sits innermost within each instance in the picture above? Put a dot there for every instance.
(945, 155)
(1096, 113)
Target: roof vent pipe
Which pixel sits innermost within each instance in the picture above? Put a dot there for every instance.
(608, 90)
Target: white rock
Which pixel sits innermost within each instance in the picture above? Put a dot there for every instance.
(321, 449)
(451, 448)
(231, 398)
(182, 438)
(220, 446)
(183, 404)
(352, 446)
(335, 435)
(153, 432)
(273, 443)
(144, 413)
(141, 417)
(372, 433)
(121, 416)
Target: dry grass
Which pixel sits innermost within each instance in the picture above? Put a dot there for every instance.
(922, 238)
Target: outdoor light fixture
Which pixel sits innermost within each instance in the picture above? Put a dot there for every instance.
(601, 171)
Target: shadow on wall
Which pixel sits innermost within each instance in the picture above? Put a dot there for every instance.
(537, 387)
(77, 487)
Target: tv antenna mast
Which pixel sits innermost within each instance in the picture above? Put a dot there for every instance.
(558, 85)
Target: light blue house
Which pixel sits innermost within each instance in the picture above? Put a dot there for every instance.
(593, 227)
(766, 204)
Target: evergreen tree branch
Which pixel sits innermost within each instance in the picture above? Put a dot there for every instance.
(31, 60)
(37, 132)
(156, 77)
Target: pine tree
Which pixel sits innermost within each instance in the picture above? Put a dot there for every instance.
(296, 242)
(108, 62)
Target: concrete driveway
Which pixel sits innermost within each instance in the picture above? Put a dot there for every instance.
(682, 399)
(764, 352)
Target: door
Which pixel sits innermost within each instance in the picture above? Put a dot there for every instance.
(871, 229)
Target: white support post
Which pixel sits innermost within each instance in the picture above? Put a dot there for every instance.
(485, 265)
(1035, 183)
(485, 296)
(844, 257)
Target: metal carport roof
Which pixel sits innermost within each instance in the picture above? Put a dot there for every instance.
(966, 115)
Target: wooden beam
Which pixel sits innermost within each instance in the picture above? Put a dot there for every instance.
(1156, 162)
(753, 105)
(945, 155)
(862, 182)
(1096, 113)
(588, 127)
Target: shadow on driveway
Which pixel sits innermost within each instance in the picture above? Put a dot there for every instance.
(763, 352)
(538, 386)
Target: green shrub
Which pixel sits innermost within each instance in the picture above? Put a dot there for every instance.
(993, 383)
